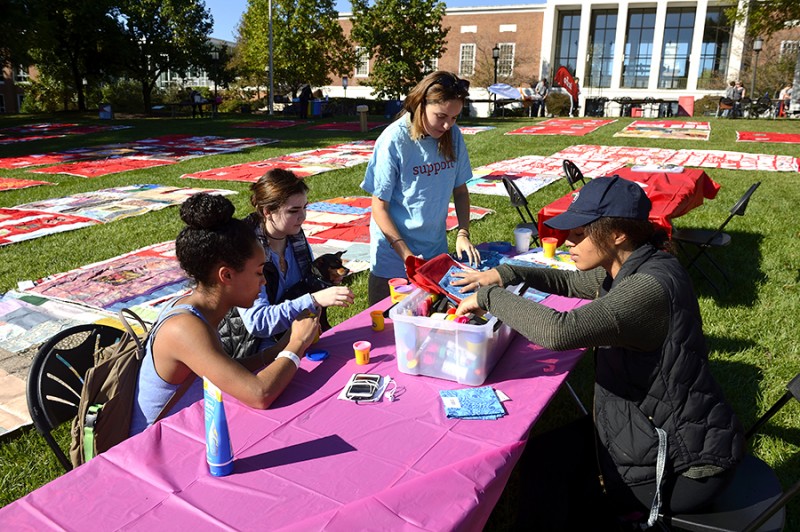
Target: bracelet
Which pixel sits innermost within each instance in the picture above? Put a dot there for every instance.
(463, 232)
(291, 356)
(314, 302)
(395, 241)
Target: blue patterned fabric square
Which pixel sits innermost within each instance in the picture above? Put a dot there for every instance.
(472, 403)
(454, 291)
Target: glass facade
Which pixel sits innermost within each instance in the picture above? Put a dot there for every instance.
(678, 32)
(715, 50)
(600, 57)
(638, 48)
(567, 37)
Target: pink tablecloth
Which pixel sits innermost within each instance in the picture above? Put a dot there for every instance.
(312, 462)
(671, 194)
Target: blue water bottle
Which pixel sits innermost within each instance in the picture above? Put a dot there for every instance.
(219, 451)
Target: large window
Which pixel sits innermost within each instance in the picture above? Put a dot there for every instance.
(789, 47)
(432, 65)
(678, 32)
(567, 37)
(715, 51)
(466, 62)
(638, 48)
(362, 62)
(600, 59)
(505, 64)
(21, 74)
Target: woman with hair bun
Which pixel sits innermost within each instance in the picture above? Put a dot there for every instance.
(419, 162)
(222, 257)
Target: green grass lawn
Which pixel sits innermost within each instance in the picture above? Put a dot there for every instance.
(751, 329)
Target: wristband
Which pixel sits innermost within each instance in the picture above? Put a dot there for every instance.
(291, 356)
(463, 232)
(395, 241)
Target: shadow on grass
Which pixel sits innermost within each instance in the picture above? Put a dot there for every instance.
(742, 262)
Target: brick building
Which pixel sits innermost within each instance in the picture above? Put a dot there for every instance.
(624, 49)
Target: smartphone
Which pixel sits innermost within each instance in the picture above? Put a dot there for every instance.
(363, 386)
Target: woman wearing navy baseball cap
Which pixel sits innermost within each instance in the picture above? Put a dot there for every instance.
(661, 436)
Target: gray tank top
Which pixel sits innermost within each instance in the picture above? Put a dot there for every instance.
(153, 392)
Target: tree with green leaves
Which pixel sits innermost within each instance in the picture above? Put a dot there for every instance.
(308, 43)
(766, 17)
(163, 35)
(74, 45)
(15, 31)
(402, 36)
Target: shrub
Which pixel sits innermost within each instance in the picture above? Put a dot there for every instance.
(706, 105)
(557, 104)
(124, 95)
(45, 95)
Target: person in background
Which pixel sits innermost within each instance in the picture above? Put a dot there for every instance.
(279, 199)
(739, 93)
(785, 100)
(541, 89)
(197, 103)
(304, 98)
(221, 255)
(655, 399)
(729, 93)
(419, 162)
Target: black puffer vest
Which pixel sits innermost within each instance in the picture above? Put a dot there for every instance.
(237, 341)
(671, 388)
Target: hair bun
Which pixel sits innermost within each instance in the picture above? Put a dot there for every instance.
(207, 211)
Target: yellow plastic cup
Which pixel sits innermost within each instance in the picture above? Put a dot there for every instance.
(361, 349)
(393, 285)
(377, 320)
(549, 245)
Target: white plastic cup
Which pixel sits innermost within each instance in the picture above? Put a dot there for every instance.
(522, 238)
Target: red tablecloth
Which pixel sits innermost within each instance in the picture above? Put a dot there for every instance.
(672, 195)
(313, 462)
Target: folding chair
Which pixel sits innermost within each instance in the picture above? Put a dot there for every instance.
(704, 239)
(519, 202)
(574, 173)
(754, 500)
(55, 379)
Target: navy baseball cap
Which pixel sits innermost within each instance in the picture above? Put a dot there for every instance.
(603, 197)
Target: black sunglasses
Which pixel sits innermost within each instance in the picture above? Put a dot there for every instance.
(461, 86)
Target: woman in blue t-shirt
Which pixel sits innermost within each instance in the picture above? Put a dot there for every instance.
(419, 162)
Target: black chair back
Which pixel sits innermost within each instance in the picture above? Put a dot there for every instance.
(55, 379)
(574, 174)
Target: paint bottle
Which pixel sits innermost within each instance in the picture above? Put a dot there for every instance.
(219, 451)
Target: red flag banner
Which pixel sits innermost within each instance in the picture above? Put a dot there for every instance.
(564, 79)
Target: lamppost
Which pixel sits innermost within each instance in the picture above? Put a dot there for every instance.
(271, 100)
(215, 59)
(758, 44)
(496, 57)
(344, 86)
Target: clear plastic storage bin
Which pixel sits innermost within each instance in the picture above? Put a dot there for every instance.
(448, 350)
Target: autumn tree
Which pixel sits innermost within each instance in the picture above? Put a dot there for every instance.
(403, 37)
(161, 36)
(767, 17)
(308, 43)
